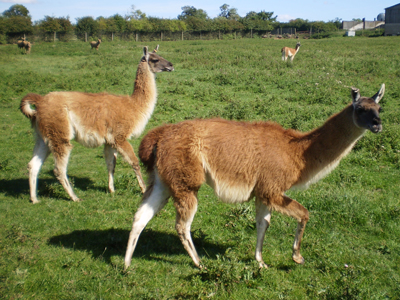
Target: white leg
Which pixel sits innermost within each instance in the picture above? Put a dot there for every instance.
(263, 219)
(154, 199)
(184, 219)
(110, 155)
(40, 153)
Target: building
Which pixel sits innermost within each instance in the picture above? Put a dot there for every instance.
(361, 25)
(392, 20)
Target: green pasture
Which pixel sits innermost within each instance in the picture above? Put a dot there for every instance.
(59, 249)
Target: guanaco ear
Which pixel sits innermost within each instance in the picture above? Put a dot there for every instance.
(146, 53)
(378, 96)
(355, 94)
(156, 49)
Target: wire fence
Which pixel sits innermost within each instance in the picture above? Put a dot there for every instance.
(159, 36)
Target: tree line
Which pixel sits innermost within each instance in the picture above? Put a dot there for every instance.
(16, 22)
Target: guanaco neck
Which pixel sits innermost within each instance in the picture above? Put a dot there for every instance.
(144, 90)
(321, 150)
(144, 96)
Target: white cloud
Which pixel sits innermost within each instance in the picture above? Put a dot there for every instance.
(284, 18)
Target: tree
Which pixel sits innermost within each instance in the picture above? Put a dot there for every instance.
(224, 24)
(18, 25)
(49, 24)
(135, 14)
(299, 24)
(16, 10)
(337, 22)
(266, 16)
(16, 21)
(120, 23)
(3, 25)
(191, 11)
(102, 24)
(65, 25)
(197, 24)
(86, 25)
(179, 25)
(228, 13)
(111, 26)
(259, 21)
(61, 25)
(134, 25)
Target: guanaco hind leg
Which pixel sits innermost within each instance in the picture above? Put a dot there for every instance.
(110, 155)
(184, 218)
(60, 169)
(40, 152)
(154, 199)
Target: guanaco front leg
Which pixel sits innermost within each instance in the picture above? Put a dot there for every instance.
(263, 219)
(294, 209)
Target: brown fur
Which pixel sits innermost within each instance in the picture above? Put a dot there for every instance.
(92, 120)
(22, 44)
(95, 45)
(28, 47)
(240, 160)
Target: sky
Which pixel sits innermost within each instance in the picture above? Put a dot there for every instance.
(312, 10)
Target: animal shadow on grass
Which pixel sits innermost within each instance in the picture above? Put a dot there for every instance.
(104, 244)
(14, 187)
(47, 187)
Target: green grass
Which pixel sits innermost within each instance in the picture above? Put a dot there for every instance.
(58, 249)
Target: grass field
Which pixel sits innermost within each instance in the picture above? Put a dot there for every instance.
(59, 249)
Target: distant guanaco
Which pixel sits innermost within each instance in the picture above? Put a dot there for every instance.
(290, 52)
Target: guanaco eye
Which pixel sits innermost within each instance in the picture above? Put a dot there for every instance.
(360, 109)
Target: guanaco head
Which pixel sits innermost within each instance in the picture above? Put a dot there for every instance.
(155, 61)
(298, 45)
(366, 110)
